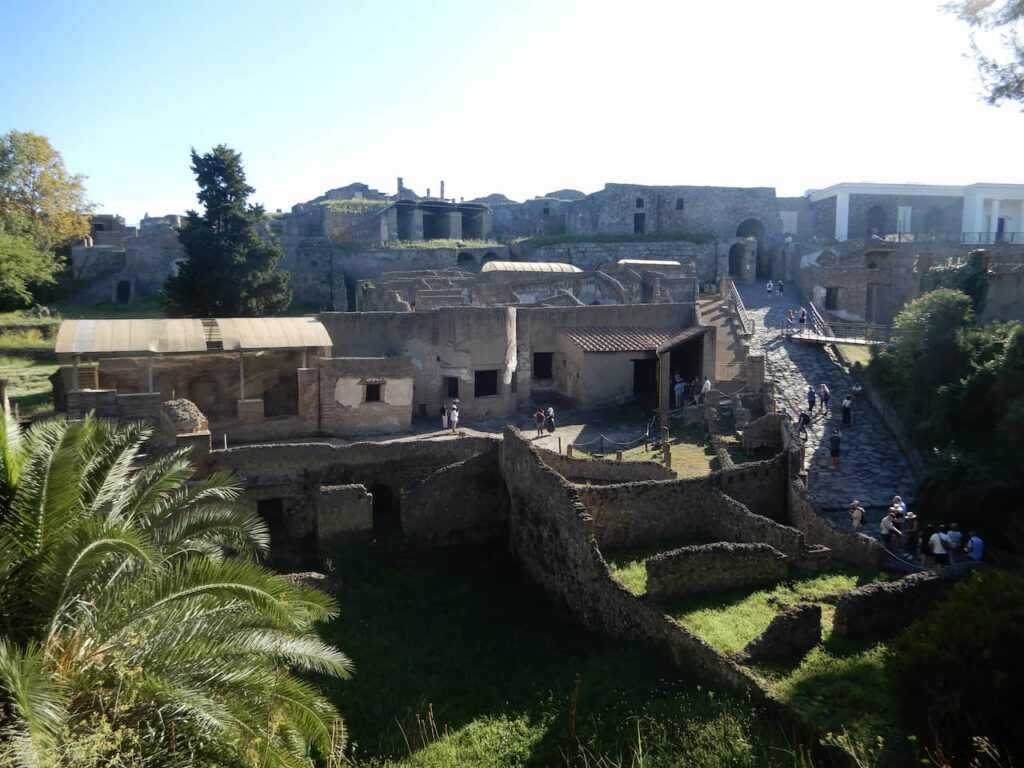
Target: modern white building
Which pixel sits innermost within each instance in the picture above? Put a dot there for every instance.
(973, 213)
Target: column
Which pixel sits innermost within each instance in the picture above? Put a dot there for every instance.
(842, 215)
(993, 223)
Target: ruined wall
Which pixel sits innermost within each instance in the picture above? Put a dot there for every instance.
(929, 215)
(465, 501)
(884, 608)
(344, 517)
(705, 568)
(1005, 298)
(853, 548)
(591, 256)
(603, 470)
(344, 386)
(635, 514)
(551, 533)
(450, 342)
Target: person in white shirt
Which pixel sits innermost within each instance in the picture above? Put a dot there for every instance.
(705, 389)
(890, 533)
(771, 289)
(939, 546)
(453, 417)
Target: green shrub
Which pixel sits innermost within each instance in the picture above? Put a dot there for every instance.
(959, 673)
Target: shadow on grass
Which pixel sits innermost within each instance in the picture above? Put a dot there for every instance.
(448, 642)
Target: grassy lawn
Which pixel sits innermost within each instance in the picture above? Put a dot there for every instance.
(148, 307)
(692, 456)
(28, 384)
(461, 661)
(855, 353)
(628, 564)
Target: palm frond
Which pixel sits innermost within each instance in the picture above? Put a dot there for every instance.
(36, 695)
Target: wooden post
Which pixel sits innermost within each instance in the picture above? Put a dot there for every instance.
(559, 443)
(618, 455)
(149, 372)
(667, 458)
(568, 450)
(304, 361)
(74, 372)
(241, 375)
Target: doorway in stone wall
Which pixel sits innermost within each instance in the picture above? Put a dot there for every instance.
(387, 515)
(645, 379)
(737, 253)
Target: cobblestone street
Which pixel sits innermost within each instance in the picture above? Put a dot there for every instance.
(872, 467)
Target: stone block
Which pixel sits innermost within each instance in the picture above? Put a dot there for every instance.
(250, 412)
(790, 635)
(713, 568)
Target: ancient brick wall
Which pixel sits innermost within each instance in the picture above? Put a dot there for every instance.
(941, 216)
(884, 608)
(715, 567)
(848, 547)
(344, 517)
(465, 501)
(551, 533)
(345, 384)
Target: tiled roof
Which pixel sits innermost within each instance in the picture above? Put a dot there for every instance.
(617, 338)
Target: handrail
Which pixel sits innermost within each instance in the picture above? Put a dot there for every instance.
(733, 299)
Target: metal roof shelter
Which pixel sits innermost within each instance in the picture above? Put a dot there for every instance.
(84, 337)
(183, 336)
(528, 266)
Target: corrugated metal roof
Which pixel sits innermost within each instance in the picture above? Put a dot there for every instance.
(617, 339)
(528, 266)
(648, 262)
(272, 333)
(82, 337)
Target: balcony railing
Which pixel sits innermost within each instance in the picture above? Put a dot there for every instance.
(964, 238)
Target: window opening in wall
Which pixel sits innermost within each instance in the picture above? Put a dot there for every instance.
(124, 292)
(272, 512)
(547, 210)
(639, 223)
(451, 386)
(639, 202)
(542, 362)
(373, 393)
(485, 383)
(831, 298)
(903, 219)
(679, 203)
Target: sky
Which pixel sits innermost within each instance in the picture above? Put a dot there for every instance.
(520, 97)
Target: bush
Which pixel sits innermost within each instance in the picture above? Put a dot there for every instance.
(959, 674)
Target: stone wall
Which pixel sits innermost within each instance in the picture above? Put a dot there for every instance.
(591, 256)
(1005, 298)
(465, 501)
(790, 635)
(929, 215)
(884, 608)
(715, 567)
(551, 533)
(344, 517)
(637, 514)
(604, 470)
(345, 384)
(846, 546)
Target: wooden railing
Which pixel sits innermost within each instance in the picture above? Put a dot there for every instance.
(871, 332)
(735, 301)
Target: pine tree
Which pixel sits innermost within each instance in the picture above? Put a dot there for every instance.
(229, 270)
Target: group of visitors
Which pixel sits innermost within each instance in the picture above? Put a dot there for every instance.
(792, 317)
(822, 397)
(545, 420)
(689, 392)
(940, 545)
(776, 286)
(450, 416)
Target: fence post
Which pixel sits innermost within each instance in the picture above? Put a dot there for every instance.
(559, 443)
(568, 450)
(618, 455)
(667, 454)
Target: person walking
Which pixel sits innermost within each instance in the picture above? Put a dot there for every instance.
(939, 545)
(803, 320)
(811, 398)
(790, 319)
(802, 423)
(677, 391)
(705, 388)
(549, 420)
(927, 558)
(825, 395)
(890, 533)
(912, 532)
(444, 417)
(835, 443)
(538, 420)
(858, 516)
(779, 288)
(955, 543)
(857, 390)
(771, 290)
(975, 548)
(453, 416)
(847, 411)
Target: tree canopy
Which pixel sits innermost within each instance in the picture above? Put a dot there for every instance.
(1003, 72)
(229, 269)
(42, 209)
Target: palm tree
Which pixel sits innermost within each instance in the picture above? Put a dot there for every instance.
(136, 627)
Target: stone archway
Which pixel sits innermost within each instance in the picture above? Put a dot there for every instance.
(387, 514)
(754, 229)
(465, 260)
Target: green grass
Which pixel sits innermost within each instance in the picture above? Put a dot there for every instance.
(692, 456)
(148, 307)
(28, 384)
(666, 237)
(27, 340)
(461, 661)
(629, 564)
(355, 206)
(855, 353)
(25, 317)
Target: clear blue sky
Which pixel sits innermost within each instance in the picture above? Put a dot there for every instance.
(519, 97)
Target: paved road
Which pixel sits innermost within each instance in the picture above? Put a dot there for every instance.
(872, 468)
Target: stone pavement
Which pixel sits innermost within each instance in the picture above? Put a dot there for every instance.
(872, 467)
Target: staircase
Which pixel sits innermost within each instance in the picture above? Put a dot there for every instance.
(730, 355)
(214, 341)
